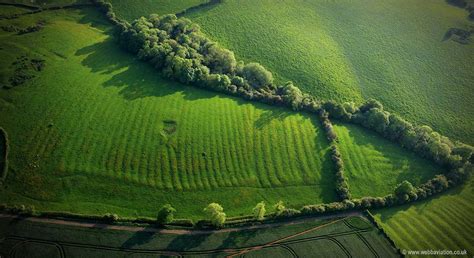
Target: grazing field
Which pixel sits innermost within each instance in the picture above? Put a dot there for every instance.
(374, 166)
(441, 223)
(139, 8)
(95, 131)
(324, 238)
(333, 50)
(44, 3)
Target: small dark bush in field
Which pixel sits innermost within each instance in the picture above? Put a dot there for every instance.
(165, 215)
(24, 68)
(19, 78)
(10, 28)
(34, 28)
(111, 218)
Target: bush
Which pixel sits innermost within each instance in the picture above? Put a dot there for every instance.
(259, 211)
(165, 215)
(110, 218)
(279, 208)
(216, 214)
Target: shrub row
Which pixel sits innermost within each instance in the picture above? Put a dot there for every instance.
(178, 50)
(420, 139)
(342, 186)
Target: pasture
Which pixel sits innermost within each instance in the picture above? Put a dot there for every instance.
(96, 131)
(374, 166)
(139, 8)
(440, 223)
(353, 236)
(333, 50)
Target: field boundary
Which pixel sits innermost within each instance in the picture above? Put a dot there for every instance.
(36, 9)
(4, 162)
(285, 242)
(374, 221)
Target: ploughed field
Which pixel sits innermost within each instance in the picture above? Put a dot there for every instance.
(92, 130)
(97, 131)
(375, 166)
(353, 236)
(440, 223)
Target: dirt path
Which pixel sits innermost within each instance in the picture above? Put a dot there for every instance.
(173, 231)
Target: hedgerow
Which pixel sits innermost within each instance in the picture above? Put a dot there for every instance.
(179, 51)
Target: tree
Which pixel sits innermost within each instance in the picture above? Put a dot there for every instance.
(279, 208)
(257, 76)
(216, 214)
(165, 215)
(369, 104)
(404, 190)
(259, 211)
(220, 60)
(292, 95)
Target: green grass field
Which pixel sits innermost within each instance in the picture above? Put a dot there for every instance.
(441, 223)
(97, 131)
(333, 50)
(337, 239)
(130, 11)
(44, 3)
(374, 166)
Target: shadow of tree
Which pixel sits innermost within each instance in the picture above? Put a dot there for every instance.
(240, 239)
(269, 115)
(400, 159)
(187, 242)
(139, 238)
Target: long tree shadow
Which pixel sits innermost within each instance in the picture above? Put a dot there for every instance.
(270, 115)
(239, 239)
(139, 238)
(328, 177)
(187, 242)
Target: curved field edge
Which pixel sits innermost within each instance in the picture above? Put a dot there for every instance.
(441, 223)
(369, 159)
(404, 62)
(3, 155)
(141, 140)
(303, 238)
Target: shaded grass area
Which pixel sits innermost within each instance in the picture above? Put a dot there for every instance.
(333, 50)
(130, 10)
(97, 131)
(44, 3)
(337, 238)
(3, 155)
(441, 223)
(374, 166)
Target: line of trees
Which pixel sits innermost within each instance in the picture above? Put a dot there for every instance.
(420, 139)
(342, 186)
(179, 51)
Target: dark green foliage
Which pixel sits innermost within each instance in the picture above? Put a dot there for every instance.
(342, 187)
(257, 76)
(404, 190)
(177, 48)
(111, 218)
(34, 28)
(165, 215)
(421, 139)
(24, 69)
